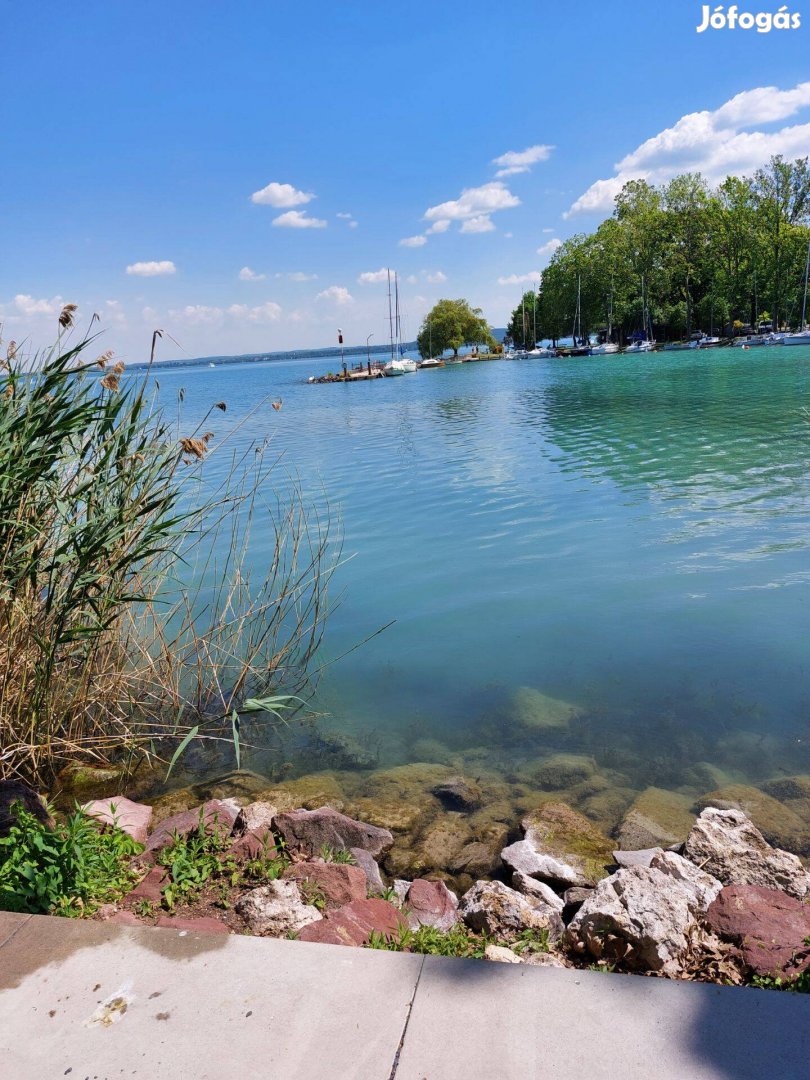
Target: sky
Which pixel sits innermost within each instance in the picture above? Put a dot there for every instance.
(241, 174)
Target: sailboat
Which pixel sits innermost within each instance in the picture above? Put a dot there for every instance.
(646, 343)
(398, 364)
(801, 337)
(607, 347)
(581, 346)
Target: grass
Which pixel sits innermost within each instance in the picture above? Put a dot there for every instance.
(337, 855)
(799, 985)
(458, 941)
(70, 870)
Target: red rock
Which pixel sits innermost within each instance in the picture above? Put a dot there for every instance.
(339, 883)
(151, 888)
(128, 918)
(310, 830)
(354, 923)
(130, 817)
(215, 815)
(201, 924)
(430, 903)
(257, 844)
(769, 927)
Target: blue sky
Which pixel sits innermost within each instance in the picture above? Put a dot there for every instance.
(135, 137)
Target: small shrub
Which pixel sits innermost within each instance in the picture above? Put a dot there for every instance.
(459, 941)
(337, 855)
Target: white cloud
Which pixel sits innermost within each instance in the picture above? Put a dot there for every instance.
(440, 226)
(508, 235)
(344, 215)
(352, 224)
(197, 315)
(281, 196)
(714, 143)
(548, 249)
(520, 279)
(152, 269)
(371, 277)
(150, 315)
(114, 313)
(412, 279)
(298, 275)
(297, 219)
(521, 161)
(437, 278)
(413, 241)
(27, 305)
(478, 224)
(475, 204)
(262, 313)
(246, 274)
(336, 293)
(548, 230)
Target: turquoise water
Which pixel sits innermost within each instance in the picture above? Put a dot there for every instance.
(629, 535)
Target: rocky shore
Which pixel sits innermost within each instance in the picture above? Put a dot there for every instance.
(702, 896)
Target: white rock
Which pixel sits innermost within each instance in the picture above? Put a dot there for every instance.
(501, 955)
(276, 909)
(255, 817)
(493, 908)
(727, 844)
(703, 886)
(531, 887)
(524, 857)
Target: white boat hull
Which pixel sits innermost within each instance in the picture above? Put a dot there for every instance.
(400, 367)
(608, 349)
(801, 338)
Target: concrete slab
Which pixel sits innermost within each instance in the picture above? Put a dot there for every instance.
(483, 1021)
(83, 999)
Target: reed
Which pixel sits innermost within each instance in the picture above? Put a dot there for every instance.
(130, 622)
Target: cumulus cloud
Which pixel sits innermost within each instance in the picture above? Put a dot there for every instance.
(715, 143)
(548, 249)
(436, 278)
(521, 161)
(413, 241)
(261, 313)
(246, 274)
(281, 196)
(197, 315)
(336, 293)
(297, 275)
(475, 204)
(371, 277)
(440, 226)
(298, 219)
(26, 305)
(521, 279)
(152, 269)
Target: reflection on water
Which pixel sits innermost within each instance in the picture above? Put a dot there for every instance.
(628, 535)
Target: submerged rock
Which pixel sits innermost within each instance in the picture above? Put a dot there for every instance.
(310, 792)
(478, 859)
(535, 711)
(276, 908)
(458, 793)
(560, 846)
(311, 830)
(563, 771)
(777, 823)
(728, 845)
(490, 907)
(657, 818)
(786, 788)
(771, 928)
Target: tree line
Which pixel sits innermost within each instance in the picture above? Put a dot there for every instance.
(683, 256)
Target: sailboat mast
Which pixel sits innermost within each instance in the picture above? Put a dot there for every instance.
(534, 319)
(804, 298)
(390, 316)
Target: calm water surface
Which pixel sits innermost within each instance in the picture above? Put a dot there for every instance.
(629, 535)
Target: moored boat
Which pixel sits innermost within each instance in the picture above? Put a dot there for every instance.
(607, 348)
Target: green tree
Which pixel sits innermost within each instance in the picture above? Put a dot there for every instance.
(451, 324)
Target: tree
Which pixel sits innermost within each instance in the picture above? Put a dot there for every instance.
(451, 324)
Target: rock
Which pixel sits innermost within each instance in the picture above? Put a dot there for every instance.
(787, 787)
(638, 917)
(442, 841)
(702, 886)
(778, 823)
(252, 845)
(355, 923)
(368, 864)
(561, 847)
(477, 859)
(573, 899)
(544, 959)
(493, 908)
(130, 817)
(726, 844)
(312, 791)
(642, 857)
(213, 816)
(564, 771)
(14, 792)
(401, 887)
(536, 711)
(530, 886)
(199, 924)
(430, 903)
(458, 793)
(78, 778)
(433, 751)
(311, 830)
(125, 918)
(501, 955)
(396, 815)
(149, 888)
(242, 785)
(657, 818)
(607, 808)
(255, 817)
(337, 883)
(276, 909)
(771, 928)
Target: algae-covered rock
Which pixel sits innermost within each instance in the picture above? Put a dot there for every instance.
(787, 788)
(657, 818)
(777, 823)
(535, 711)
(240, 784)
(563, 834)
(433, 751)
(563, 771)
(98, 780)
(607, 808)
(405, 781)
(309, 792)
(397, 815)
(458, 793)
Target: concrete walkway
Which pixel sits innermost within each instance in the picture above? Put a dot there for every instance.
(100, 1001)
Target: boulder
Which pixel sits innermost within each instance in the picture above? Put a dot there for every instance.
(535, 711)
(544, 959)
(786, 788)
(259, 844)
(493, 908)
(530, 886)
(14, 792)
(726, 844)
(400, 888)
(355, 923)
(564, 771)
(458, 793)
(501, 955)
(150, 888)
(396, 815)
(276, 909)
(130, 817)
(770, 928)
(442, 841)
(430, 903)
(639, 917)
(657, 818)
(642, 857)
(311, 830)
(573, 899)
(478, 859)
(560, 847)
(199, 924)
(311, 792)
(213, 815)
(702, 886)
(370, 867)
(255, 817)
(337, 883)
(778, 823)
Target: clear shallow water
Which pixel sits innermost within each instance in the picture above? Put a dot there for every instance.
(629, 535)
